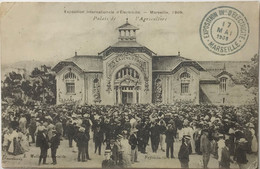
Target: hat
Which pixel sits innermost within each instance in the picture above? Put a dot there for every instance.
(112, 140)
(220, 135)
(186, 137)
(135, 130)
(242, 140)
(107, 151)
(81, 129)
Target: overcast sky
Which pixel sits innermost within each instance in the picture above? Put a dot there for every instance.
(43, 32)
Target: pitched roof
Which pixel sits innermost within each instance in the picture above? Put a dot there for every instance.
(88, 63)
(216, 68)
(126, 47)
(174, 63)
(62, 64)
(127, 26)
(206, 77)
(166, 63)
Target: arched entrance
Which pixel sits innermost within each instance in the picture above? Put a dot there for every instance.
(127, 86)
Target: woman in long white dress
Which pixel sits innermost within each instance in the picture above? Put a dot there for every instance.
(15, 147)
(254, 140)
(24, 141)
(124, 149)
(6, 139)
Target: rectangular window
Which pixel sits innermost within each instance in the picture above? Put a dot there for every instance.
(70, 87)
(184, 88)
(223, 85)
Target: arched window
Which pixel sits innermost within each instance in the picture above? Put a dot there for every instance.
(185, 75)
(70, 75)
(223, 84)
(70, 82)
(127, 71)
(185, 82)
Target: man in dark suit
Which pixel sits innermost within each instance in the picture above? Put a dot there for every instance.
(44, 145)
(98, 139)
(55, 142)
(87, 124)
(146, 134)
(133, 141)
(141, 135)
(225, 156)
(155, 136)
(170, 133)
(32, 128)
(81, 140)
(205, 147)
(114, 151)
(240, 153)
(108, 162)
(71, 132)
(184, 152)
(106, 130)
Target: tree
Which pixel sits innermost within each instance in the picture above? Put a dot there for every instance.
(249, 75)
(44, 85)
(40, 86)
(26, 87)
(11, 86)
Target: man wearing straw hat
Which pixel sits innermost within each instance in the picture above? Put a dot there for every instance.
(43, 144)
(81, 143)
(240, 153)
(224, 159)
(169, 140)
(184, 152)
(108, 162)
(133, 141)
(55, 142)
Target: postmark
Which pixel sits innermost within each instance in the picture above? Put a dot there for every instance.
(224, 30)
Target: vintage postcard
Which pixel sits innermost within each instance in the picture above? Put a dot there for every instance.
(129, 84)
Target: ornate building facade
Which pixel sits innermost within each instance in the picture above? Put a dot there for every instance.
(130, 73)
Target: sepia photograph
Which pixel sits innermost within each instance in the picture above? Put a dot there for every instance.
(129, 84)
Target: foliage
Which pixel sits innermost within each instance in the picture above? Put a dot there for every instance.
(12, 85)
(44, 86)
(249, 76)
(249, 73)
(39, 86)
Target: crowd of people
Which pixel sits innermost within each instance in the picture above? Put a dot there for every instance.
(127, 130)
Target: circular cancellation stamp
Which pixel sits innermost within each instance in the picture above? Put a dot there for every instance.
(224, 30)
